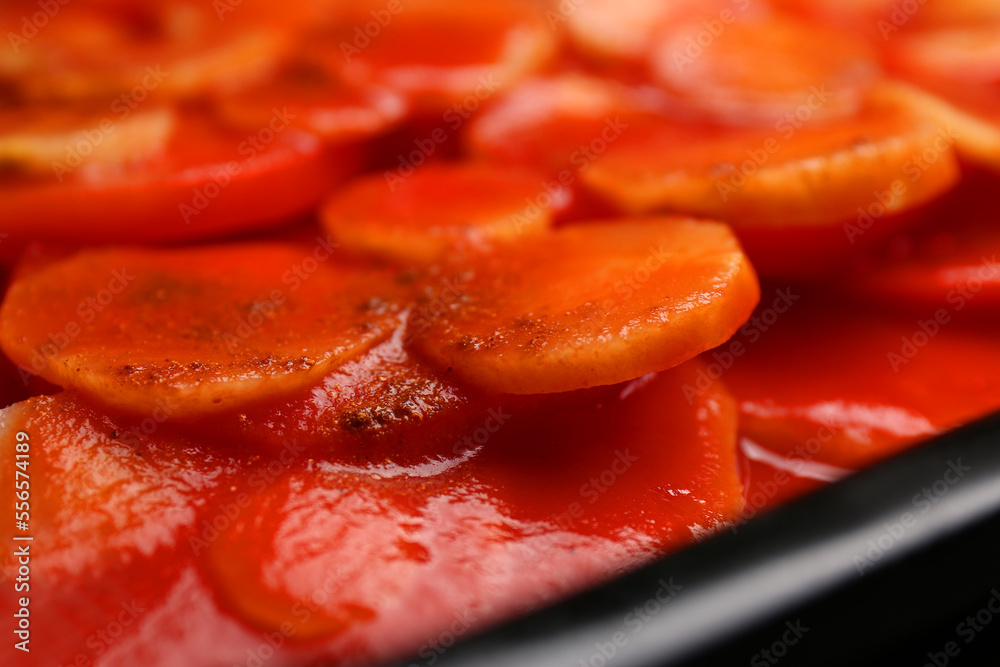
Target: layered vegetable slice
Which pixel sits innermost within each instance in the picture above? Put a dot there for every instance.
(953, 76)
(384, 408)
(800, 198)
(204, 181)
(165, 49)
(108, 502)
(563, 122)
(317, 102)
(586, 305)
(834, 382)
(757, 67)
(440, 208)
(813, 174)
(192, 331)
(440, 51)
(584, 486)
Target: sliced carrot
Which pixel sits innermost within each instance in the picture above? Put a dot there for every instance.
(208, 181)
(811, 174)
(756, 69)
(385, 408)
(193, 331)
(317, 103)
(588, 305)
(832, 382)
(610, 30)
(583, 486)
(163, 49)
(421, 217)
(953, 77)
(560, 122)
(438, 49)
(111, 504)
(968, 112)
(36, 139)
(968, 54)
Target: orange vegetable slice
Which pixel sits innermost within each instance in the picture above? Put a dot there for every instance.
(588, 305)
(968, 54)
(35, 140)
(317, 103)
(562, 496)
(810, 174)
(384, 408)
(610, 30)
(756, 69)
(560, 122)
(207, 181)
(422, 217)
(440, 50)
(125, 55)
(953, 77)
(194, 331)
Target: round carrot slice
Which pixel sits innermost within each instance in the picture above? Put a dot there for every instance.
(439, 49)
(561, 497)
(421, 217)
(754, 71)
(164, 49)
(206, 181)
(317, 103)
(194, 331)
(607, 29)
(383, 409)
(969, 54)
(561, 122)
(37, 140)
(589, 305)
(969, 113)
(820, 174)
